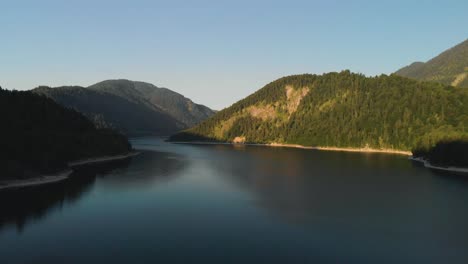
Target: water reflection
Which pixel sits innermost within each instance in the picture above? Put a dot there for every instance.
(24, 206)
(149, 168)
(244, 204)
(316, 187)
(348, 200)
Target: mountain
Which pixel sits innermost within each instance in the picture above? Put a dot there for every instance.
(134, 108)
(341, 110)
(108, 110)
(450, 67)
(41, 136)
(175, 104)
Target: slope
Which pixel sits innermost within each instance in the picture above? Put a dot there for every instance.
(40, 136)
(341, 110)
(130, 116)
(172, 103)
(450, 67)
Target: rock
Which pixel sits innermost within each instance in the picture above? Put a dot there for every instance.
(239, 140)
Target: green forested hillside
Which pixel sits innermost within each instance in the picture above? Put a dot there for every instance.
(40, 136)
(450, 67)
(341, 110)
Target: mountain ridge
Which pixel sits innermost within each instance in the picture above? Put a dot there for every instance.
(124, 105)
(449, 67)
(179, 106)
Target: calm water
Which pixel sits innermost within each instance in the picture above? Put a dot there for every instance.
(233, 204)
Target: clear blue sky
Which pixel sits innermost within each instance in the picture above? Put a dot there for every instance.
(217, 52)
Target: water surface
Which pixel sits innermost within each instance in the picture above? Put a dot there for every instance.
(240, 204)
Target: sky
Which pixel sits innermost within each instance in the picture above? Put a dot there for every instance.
(217, 52)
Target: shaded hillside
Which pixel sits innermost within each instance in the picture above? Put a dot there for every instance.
(40, 136)
(180, 107)
(172, 103)
(341, 110)
(450, 67)
(447, 152)
(107, 110)
(135, 108)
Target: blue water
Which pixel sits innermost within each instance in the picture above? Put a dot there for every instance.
(240, 204)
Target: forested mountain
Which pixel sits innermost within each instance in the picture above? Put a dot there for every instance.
(450, 67)
(40, 136)
(135, 108)
(175, 104)
(342, 110)
(108, 110)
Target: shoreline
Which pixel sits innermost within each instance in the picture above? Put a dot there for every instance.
(430, 166)
(360, 150)
(102, 159)
(426, 164)
(62, 175)
(40, 180)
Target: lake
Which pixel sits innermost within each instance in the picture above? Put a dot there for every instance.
(240, 204)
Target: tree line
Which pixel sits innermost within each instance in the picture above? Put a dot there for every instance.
(346, 110)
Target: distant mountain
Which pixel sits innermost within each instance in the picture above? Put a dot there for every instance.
(341, 110)
(108, 110)
(41, 136)
(450, 67)
(175, 104)
(135, 108)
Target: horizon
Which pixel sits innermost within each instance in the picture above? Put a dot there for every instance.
(217, 53)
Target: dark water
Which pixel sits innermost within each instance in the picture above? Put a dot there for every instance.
(228, 204)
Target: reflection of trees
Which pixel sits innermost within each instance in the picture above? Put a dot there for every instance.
(149, 168)
(309, 186)
(23, 206)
